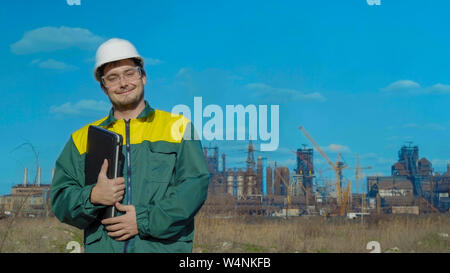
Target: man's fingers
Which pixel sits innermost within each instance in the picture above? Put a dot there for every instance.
(119, 181)
(124, 237)
(113, 220)
(119, 193)
(119, 188)
(121, 207)
(115, 227)
(117, 233)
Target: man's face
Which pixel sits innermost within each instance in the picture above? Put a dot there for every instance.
(125, 94)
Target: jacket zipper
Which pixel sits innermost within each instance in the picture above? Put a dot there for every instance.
(128, 191)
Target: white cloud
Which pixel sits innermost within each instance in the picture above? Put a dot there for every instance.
(368, 156)
(401, 85)
(53, 64)
(428, 126)
(182, 72)
(435, 126)
(152, 61)
(82, 107)
(35, 61)
(408, 87)
(392, 138)
(411, 125)
(290, 163)
(283, 94)
(48, 39)
(440, 88)
(257, 85)
(440, 165)
(336, 148)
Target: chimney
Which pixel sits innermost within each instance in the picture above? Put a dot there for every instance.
(39, 177)
(25, 177)
(223, 166)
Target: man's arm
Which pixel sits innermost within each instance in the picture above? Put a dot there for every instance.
(70, 199)
(170, 216)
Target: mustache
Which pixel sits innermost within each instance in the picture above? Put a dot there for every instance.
(126, 89)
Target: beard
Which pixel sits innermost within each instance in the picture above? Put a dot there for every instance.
(128, 102)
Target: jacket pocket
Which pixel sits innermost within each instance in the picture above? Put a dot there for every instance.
(157, 161)
(161, 162)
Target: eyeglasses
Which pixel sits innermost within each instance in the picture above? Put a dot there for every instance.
(130, 75)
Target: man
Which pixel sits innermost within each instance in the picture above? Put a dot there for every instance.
(165, 174)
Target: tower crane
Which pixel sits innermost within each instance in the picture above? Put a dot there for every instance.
(338, 167)
(346, 199)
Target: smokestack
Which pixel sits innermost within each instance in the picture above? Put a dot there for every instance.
(230, 182)
(223, 166)
(269, 179)
(240, 184)
(25, 177)
(39, 177)
(264, 180)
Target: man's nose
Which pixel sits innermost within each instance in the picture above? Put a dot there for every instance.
(123, 82)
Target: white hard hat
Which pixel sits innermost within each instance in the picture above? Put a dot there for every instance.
(114, 50)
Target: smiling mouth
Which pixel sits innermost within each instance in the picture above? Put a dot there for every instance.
(126, 92)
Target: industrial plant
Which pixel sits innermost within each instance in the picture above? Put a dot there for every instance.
(261, 187)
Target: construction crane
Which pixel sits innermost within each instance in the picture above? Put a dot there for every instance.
(338, 167)
(358, 170)
(346, 199)
(315, 170)
(358, 175)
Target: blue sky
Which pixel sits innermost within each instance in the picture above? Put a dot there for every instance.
(361, 79)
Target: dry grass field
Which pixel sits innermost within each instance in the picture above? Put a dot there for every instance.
(36, 235)
(316, 234)
(404, 234)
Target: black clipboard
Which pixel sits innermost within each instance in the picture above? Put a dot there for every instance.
(103, 144)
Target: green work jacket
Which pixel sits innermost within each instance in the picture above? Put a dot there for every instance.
(166, 179)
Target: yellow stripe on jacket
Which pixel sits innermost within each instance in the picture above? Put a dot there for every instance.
(160, 126)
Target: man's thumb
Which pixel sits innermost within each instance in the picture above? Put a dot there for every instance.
(121, 207)
(104, 168)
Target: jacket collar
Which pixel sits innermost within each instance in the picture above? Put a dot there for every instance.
(148, 111)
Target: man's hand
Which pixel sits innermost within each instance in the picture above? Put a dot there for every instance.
(122, 227)
(107, 191)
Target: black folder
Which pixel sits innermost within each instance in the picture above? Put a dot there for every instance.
(103, 144)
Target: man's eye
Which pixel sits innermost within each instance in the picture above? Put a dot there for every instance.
(129, 73)
(111, 78)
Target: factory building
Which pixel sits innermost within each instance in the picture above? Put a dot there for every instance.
(412, 185)
(259, 188)
(30, 200)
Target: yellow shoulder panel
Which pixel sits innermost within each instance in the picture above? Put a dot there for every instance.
(162, 126)
(79, 137)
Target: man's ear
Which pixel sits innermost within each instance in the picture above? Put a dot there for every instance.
(144, 77)
(104, 89)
